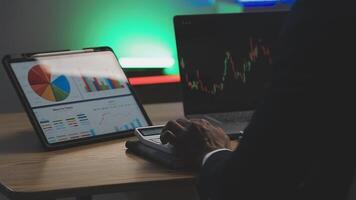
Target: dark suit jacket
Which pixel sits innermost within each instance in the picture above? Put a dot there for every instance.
(299, 143)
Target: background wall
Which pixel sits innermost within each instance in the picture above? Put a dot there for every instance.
(8, 99)
(133, 28)
(136, 30)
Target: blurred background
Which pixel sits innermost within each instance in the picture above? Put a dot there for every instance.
(140, 32)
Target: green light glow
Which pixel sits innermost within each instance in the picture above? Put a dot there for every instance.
(140, 32)
(131, 62)
(228, 7)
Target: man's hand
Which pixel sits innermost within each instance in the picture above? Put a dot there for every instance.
(193, 139)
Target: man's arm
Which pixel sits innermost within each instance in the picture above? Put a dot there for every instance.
(289, 150)
(211, 174)
(298, 144)
(274, 155)
(208, 155)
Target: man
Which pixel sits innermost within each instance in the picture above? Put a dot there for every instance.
(299, 143)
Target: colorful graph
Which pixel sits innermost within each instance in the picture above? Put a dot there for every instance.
(70, 128)
(46, 125)
(83, 119)
(129, 126)
(95, 84)
(47, 86)
(237, 72)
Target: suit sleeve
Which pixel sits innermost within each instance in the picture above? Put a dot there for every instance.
(280, 144)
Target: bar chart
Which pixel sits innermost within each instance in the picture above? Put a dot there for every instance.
(129, 126)
(96, 84)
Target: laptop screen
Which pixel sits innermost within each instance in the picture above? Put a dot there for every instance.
(225, 60)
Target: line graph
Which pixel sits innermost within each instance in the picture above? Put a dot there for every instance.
(237, 70)
(118, 115)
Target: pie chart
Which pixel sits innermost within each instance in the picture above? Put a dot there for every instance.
(48, 86)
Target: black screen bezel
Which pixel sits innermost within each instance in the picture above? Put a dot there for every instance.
(206, 19)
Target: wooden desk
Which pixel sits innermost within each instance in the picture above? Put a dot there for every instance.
(29, 172)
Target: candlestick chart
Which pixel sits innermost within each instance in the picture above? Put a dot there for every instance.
(232, 69)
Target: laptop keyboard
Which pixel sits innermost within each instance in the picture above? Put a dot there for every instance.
(232, 117)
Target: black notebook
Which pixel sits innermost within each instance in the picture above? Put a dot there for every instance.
(163, 158)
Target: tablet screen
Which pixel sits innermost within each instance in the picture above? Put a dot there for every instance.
(79, 95)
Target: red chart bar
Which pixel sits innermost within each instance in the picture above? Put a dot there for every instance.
(148, 80)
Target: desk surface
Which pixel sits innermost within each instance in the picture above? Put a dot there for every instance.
(25, 168)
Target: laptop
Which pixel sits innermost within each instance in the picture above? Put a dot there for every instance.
(225, 63)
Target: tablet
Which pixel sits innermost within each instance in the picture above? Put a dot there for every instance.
(75, 97)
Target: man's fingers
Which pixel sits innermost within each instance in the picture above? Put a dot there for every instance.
(168, 137)
(171, 131)
(184, 122)
(174, 127)
(201, 121)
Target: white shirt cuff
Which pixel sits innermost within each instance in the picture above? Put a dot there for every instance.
(207, 156)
